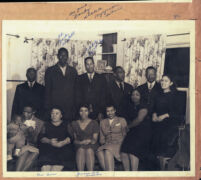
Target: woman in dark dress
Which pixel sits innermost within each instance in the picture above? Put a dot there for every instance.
(55, 147)
(136, 143)
(85, 131)
(165, 119)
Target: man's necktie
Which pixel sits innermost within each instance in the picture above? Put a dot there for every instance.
(150, 87)
(90, 77)
(31, 84)
(121, 87)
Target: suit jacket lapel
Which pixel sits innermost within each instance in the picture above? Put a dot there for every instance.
(115, 85)
(125, 87)
(86, 78)
(146, 87)
(95, 76)
(26, 85)
(155, 86)
(35, 85)
(67, 72)
(59, 70)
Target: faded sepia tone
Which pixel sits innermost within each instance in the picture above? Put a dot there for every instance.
(128, 11)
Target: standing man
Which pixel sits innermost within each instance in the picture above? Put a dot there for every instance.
(60, 81)
(29, 92)
(119, 91)
(91, 89)
(150, 89)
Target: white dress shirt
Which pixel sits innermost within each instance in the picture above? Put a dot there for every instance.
(90, 76)
(31, 84)
(151, 85)
(111, 121)
(118, 83)
(63, 69)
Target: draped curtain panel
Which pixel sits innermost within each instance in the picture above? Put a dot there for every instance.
(44, 54)
(141, 52)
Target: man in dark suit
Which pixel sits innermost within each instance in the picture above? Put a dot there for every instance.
(29, 92)
(91, 89)
(60, 81)
(119, 91)
(150, 89)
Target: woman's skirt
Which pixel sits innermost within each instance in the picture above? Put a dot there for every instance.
(113, 148)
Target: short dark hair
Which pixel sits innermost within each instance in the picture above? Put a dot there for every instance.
(84, 105)
(116, 68)
(89, 57)
(62, 49)
(31, 69)
(110, 105)
(169, 76)
(58, 108)
(30, 106)
(149, 68)
(138, 90)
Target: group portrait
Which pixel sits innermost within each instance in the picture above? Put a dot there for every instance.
(98, 96)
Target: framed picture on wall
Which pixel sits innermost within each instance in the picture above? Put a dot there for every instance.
(101, 65)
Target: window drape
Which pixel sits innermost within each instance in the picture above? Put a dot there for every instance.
(141, 52)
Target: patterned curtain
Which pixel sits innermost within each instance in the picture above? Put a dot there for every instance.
(141, 52)
(44, 54)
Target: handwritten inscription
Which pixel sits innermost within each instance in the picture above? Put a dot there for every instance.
(88, 174)
(65, 38)
(94, 45)
(85, 11)
(39, 174)
(108, 11)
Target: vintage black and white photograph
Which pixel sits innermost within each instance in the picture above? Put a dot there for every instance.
(98, 98)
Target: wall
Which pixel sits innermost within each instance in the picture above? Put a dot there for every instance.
(18, 59)
(18, 55)
(174, 40)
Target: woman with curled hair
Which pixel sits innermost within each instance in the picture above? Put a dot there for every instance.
(85, 132)
(112, 132)
(135, 146)
(56, 149)
(166, 118)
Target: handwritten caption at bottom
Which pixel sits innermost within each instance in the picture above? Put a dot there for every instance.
(85, 11)
(77, 174)
(47, 174)
(88, 174)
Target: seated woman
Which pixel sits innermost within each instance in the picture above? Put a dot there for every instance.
(29, 152)
(85, 132)
(136, 143)
(166, 118)
(55, 147)
(112, 132)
